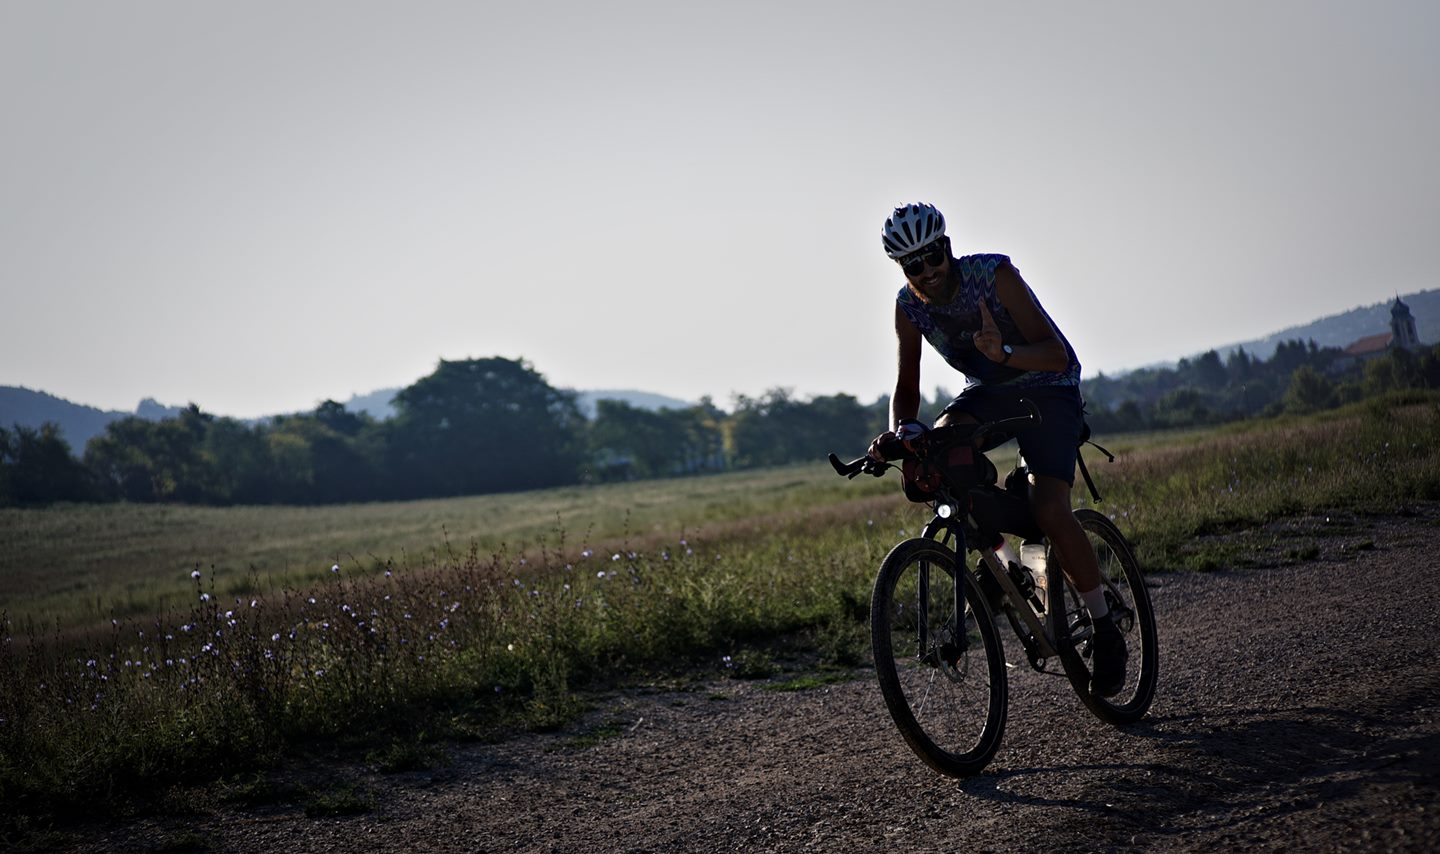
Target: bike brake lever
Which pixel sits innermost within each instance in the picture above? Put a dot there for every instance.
(849, 469)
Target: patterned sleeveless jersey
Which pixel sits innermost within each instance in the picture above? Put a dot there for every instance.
(951, 328)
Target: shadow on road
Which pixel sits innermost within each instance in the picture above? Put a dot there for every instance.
(1231, 765)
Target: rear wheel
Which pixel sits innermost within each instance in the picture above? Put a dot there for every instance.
(942, 673)
(1129, 603)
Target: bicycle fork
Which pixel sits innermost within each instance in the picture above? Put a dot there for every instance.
(935, 647)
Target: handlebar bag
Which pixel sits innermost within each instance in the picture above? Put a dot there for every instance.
(959, 467)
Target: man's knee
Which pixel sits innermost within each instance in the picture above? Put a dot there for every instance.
(1049, 500)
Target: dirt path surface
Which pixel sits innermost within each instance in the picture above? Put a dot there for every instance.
(1299, 709)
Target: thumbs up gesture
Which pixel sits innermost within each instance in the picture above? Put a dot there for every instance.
(987, 340)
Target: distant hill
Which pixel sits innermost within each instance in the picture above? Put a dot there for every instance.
(78, 423)
(637, 399)
(1339, 330)
(378, 403)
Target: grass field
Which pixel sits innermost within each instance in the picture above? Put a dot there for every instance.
(84, 564)
(408, 640)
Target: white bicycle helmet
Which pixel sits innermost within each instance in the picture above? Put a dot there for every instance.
(911, 227)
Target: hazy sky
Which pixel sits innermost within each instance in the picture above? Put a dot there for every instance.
(258, 205)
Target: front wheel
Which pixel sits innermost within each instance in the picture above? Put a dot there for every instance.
(1129, 602)
(941, 668)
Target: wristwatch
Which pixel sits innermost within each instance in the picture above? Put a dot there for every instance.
(1008, 351)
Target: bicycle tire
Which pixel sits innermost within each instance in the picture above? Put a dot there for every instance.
(936, 690)
(1124, 581)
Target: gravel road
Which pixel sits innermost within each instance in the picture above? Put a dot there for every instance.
(1299, 709)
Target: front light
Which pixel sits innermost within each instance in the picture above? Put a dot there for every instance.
(944, 511)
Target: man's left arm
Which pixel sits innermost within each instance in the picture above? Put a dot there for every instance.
(1043, 349)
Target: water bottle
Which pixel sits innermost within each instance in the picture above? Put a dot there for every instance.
(1032, 557)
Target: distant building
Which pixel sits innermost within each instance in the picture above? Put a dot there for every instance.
(1402, 327)
(1370, 346)
(1402, 335)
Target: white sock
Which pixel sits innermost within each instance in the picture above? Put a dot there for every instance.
(1095, 603)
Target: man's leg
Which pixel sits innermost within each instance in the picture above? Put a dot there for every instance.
(1050, 502)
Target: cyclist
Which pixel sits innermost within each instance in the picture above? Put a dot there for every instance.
(985, 322)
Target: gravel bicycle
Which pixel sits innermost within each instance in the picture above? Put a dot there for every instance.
(938, 654)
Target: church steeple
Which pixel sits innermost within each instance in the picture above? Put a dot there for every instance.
(1402, 327)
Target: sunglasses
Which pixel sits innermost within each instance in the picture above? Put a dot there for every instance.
(932, 256)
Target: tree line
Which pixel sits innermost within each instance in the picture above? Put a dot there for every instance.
(1300, 377)
(473, 426)
(495, 425)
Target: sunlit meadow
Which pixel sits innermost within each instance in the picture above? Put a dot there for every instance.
(473, 644)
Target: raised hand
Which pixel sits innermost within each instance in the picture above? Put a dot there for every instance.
(987, 340)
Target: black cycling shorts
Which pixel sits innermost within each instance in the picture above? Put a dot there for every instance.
(1049, 448)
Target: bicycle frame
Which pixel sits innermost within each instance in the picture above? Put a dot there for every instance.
(1040, 643)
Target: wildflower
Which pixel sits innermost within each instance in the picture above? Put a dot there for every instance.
(312, 600)
(186, 627)
(319, 672)
(229, 614)
(684, 542)
(269, 656)
(335, 568)
(586, 553)
(206, 648)
(615, 557)
(388, 573)
(252, 603)
(510, 647)
(195, 573)
(445, 623)
(689, 552)
(204, 597)
(522, 561)
(725, 659)
(600, 574)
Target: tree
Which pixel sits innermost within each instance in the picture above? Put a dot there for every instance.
(1309, 391)
(628, 442)
(36, 467)
(1397, 369)
(483, 425)
(140, 460)
(1209, 371)
(776, 428)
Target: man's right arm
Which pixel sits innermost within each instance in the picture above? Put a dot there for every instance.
(905, 401)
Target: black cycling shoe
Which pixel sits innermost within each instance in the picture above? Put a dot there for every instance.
(1108, 657)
